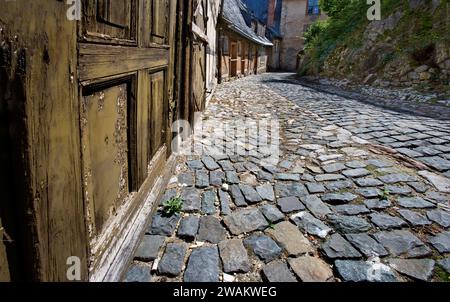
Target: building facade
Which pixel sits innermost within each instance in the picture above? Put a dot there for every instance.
(296, 17)
(243, 47)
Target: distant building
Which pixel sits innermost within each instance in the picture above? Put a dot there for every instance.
(268, 12)
(243, 47)
(296, 17)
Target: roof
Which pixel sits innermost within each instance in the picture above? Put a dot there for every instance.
(232, 15)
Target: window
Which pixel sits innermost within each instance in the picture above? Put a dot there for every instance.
(313, 7)
(224, 45)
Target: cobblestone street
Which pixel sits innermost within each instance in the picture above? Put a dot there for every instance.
(359, 193)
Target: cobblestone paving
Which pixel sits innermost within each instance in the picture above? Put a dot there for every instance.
(337, 206)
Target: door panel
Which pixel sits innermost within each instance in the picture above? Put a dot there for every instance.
(105, 117)
(159, 23)
(157, 112)
(110, 21)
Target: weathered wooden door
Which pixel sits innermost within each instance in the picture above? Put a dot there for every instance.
(125, 73)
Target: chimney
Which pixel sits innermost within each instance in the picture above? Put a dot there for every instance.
(271, 13)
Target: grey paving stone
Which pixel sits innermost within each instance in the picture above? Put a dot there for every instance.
(191, 199)
(149, 247)
(314, 187)
(329, 177)
(211, 230)
(163, 225)
(438, 197)
(287, 177)
(377, 204)
(286, 189)
(419, 269)
(210, 163)
(238, 198)
(401, 242)
(264, 176)
(445, 264)
(286, 164)
(380, 163)
(245, 221)
(354, 173)
(337, 198)
(208, 202)
(436, 162)
(414, 218)
(355, 164)
(250, 194)
(351, 209)
(409, 152)
(266, 192)
(399, 190)
(310, 224)
(369, 192)
(278, 271)
(441, 242)
(368, 182)
(361, 271)
(367, 245)
(386, 221)
(232, 177)
(264, 247)
(203, 265)
(336, 247)
(335, 167)
(234, 256)
(271, 213)
(334, 186)
(418, 186)
(201, 179)
(172, 260)
(188, 227)
(396, 178)
(290, 204)
(225, 201)
(138, 273)
(195, 164)
(428, 151)
(316, 206)
(216, 178)
(226, 165)
(414, 202)
(348, 224)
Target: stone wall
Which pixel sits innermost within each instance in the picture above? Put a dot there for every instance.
(294, 21)
(383, 58)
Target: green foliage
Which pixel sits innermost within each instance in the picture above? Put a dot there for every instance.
(323, 37)
(347, 22)
(384, 195)
(173, 206)
(441, 275)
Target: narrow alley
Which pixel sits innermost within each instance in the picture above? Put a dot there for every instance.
(359, 193)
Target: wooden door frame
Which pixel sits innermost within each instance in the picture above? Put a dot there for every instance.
(233, 58)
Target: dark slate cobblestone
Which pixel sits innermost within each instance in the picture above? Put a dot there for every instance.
(332, 208)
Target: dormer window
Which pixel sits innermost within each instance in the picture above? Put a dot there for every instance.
(313, 7)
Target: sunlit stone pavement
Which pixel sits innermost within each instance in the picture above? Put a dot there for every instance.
(351, 192)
